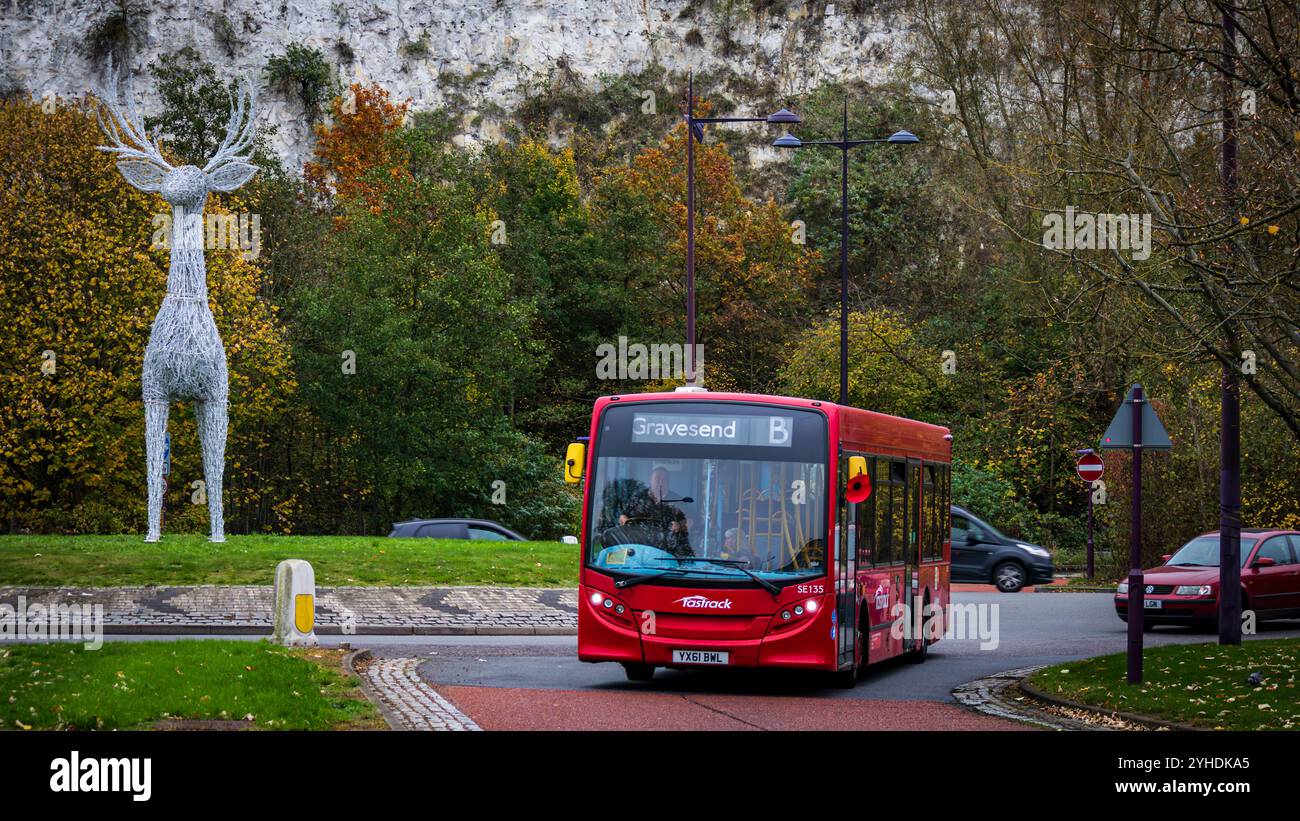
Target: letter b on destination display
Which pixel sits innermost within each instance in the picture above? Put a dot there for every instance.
(778, 430)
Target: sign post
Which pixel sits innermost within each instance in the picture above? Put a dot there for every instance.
(1090, 554)
(1137, 428)
(1089, 468)
(166, 474)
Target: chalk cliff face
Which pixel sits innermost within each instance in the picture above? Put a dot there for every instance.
(481, 55)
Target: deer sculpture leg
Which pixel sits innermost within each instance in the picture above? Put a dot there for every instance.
(211, 419)
(155, 441)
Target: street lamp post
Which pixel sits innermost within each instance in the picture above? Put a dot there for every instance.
(1088, 487)
(1230, 386)
(844, 144)
(695, 131)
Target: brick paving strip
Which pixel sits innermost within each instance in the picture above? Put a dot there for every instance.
(409, 701)
(246, 609)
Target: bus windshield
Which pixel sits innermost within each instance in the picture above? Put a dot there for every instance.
(704, 492)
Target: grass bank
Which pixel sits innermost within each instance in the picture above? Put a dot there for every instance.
(135, 685)
(1201, 684)
(106, 561)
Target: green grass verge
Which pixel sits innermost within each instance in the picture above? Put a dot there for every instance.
(1200, 684)
(106, 561)
(1097, 581)
(132, 685)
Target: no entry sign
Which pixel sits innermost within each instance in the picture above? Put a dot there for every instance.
(1090, 467)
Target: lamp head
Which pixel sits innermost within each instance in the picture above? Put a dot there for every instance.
(784, 116)
(903, 138)
(787, 140)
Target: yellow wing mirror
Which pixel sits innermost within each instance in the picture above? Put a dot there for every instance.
(858, 489)
(857, 466)
(575, 461)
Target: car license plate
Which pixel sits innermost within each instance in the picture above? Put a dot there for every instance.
(701, 657)
(1152, 604)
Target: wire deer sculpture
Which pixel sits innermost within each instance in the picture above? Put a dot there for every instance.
(184, 359)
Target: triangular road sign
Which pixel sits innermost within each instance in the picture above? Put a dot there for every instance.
(1120, 432)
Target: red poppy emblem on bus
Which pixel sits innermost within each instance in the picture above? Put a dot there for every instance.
(859, 489)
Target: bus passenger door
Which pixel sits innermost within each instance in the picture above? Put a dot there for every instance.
(846, 575)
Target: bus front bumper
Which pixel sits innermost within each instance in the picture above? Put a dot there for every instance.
(605, 634)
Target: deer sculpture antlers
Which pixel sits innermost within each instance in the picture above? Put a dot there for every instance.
(140, 158)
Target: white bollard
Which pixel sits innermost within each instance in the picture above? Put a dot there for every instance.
(295, 604)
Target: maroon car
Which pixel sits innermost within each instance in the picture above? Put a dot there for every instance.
(1185, 589)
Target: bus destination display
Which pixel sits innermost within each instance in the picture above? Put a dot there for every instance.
(711, 429)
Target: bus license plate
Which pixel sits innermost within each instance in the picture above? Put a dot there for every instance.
(701, 657)
(1152, 604)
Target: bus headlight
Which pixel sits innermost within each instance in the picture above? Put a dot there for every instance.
(611, 609)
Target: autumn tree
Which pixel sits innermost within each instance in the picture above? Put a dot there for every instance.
(409, 346)
(890, 368)
(752, 275)
(543, 236)
(354, 143)
(1119, 110)
(1116, 109)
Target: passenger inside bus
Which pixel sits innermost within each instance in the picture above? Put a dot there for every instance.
(644, 519)
(733, 551)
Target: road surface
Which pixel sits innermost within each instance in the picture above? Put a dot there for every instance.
(532, 684)
(536, 682)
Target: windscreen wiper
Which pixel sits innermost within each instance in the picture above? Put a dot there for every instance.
(774, 589)
(739, 564)
(638, 579)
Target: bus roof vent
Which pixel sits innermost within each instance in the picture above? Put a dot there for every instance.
(691, 389)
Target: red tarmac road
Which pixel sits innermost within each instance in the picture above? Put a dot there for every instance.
(512, 708)
(537, 682)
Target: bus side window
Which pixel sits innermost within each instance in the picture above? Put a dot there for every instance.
(940, 520)
(883, 491)
(942, 512)
(866, 522)
(948, 495)
(927, 512)
(898, 516)
(915, 532)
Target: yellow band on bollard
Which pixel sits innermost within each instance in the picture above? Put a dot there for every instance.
(304, 612)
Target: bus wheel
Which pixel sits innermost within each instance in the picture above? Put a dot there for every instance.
(922, 651)
(846, 679)
(639, 672)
